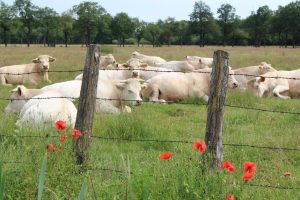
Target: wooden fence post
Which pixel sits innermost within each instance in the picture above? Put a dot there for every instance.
(215, 110)
(87, 102)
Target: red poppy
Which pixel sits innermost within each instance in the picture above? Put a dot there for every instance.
(249, 167)
(286, 173)
(200, 146)
(248, 176)
(229, 197)
(63, 137)
(166, 156)
(60, 125)
(51, 147)
(228, 165)
(76, 134)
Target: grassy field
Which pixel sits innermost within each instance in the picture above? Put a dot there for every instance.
(133, 170)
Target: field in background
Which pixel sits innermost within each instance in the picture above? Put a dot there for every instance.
(180, 177)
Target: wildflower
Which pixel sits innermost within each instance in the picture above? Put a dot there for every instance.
(200, 146)
(63, 137)
(166, 156)
(229, 197)
(228, 165)
(248, 176)
(249, 167)
(60, 125)
(76, 134)
(51, 147)
(286, 173)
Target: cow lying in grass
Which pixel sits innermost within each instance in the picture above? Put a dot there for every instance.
(284, 87)
(34, 72)
(113, 95)
(36, 107)
(179, 86)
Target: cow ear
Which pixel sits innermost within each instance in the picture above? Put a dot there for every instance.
(36, 60)
(20, 91)
(121, 84)
(144, 86)
(51, 59)
(126, 65)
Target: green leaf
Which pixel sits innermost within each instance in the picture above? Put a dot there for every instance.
(42, 178)
(82, 191)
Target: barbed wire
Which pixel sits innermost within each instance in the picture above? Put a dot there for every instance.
(154, 140)
(152, 101)
(149, 70)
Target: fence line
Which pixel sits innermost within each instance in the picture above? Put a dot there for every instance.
(157, 141)
(149, 70)
(150, 101)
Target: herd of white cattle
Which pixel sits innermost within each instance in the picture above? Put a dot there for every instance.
(142, 77)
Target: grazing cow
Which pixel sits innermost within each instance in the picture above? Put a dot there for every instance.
(284, 87)
(179, 86)
(150, 60)
(29, 73)
(37, 112)
(183, 66)
(251, 70)
(204, 60)
(106, 61)
(112, 94)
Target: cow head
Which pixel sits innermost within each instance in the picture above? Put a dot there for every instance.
(43, 62)
(131, 89)
(258, 86)
(265, 68)
(17, 100)
(232, 82)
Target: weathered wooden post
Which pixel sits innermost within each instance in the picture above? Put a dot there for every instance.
(215, 110)
(87, 102)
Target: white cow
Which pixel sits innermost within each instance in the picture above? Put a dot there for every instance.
(281, 87)
(113, 95)
(183, 66)
(179, 86)
(244, 74)
(106, 61)
(150, 60)
(36, 110)
(204, 60)
(29, 73)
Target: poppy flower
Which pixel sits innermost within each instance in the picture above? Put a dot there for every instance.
(166, 156)
(61, 125)
(76, 134)
(51, 147)
(249, 167)
(248, 176)
(63, 137)
(200, 146)
(229, 197)
(286, 173)
(228, 165)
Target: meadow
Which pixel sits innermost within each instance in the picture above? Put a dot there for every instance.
(122, 169)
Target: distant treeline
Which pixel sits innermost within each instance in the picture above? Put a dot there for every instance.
(25, 23)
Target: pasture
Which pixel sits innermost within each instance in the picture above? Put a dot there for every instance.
(122, 169)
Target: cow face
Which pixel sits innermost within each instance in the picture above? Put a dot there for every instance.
(232, 82)
(43, 62)
(131, 89)
(265, 68)
(259, 86)
(109, 59)
(17, 100)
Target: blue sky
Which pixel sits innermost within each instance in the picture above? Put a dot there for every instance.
(152, 10)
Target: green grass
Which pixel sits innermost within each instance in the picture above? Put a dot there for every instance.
(184, 176)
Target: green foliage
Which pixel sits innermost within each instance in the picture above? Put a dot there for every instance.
(82, 191)
(41, 184)
(2, 181)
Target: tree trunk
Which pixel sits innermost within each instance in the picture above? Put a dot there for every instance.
(66, 38)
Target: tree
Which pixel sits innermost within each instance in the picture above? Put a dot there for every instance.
(226, 18)
(67, 22)
(168, 29)
(201, 20)
(182, 31)
(88, 15)
(122, 27)
(153, 33)
(139, 31)
(7, 13)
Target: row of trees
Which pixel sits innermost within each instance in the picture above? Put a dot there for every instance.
(88, 22)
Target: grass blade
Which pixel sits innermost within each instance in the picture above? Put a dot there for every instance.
(42, 179)
(82, 191)
(1, 182)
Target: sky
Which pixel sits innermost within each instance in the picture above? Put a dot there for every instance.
(153, 10)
